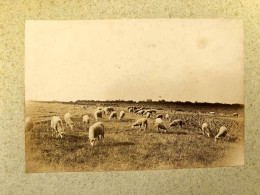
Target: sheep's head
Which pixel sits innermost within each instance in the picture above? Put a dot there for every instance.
(62, 133)
(92, 141)
(173, 124)
(72, 125)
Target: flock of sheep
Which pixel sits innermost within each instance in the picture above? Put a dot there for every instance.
(96, 131)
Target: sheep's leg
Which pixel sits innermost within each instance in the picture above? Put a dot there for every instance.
(140, 127)
(102, 137)
(56, 133)
(52, 132)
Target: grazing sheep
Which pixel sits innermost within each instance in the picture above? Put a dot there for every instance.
(235, 115)
(142, 122)
(148, 115)
(28, 123)
(136, 110)
(205, 129)
(167, 116)
(113, 115)
(121, 115)
(57, 125)
(86, 119)
(176, 122)
(108, 110)
(68, 121)
(150, 111)
(98, 114)
(96, 131)
(159, 124)
(159, 116)
(221, 133)
(140, 112)
(131, 110)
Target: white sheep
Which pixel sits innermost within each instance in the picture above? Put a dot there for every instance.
(159, 116)
(140, 112)
(221, 133)
(96, 131)
(159, 124)
(136, 110)
(235, 115)
(205, 129)
(152, 111)
(149, 111)
(98, 114)
(113, 115)
(131, 110)
(86, 120)
(177, 122)
(28, 123)
(57, 125)
(167, 116)
(131, 107)
(121, 115)
(68, 120)
(148, 115)
(142, 122)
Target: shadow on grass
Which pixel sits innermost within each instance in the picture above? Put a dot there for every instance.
(231, 139)
(72, 137)
(177, 132)
(120, 144)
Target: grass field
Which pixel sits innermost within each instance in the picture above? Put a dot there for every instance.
(128, 149)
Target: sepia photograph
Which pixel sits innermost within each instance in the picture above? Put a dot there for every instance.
(133, 94)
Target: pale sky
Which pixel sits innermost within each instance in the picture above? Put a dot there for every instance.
(177, 59)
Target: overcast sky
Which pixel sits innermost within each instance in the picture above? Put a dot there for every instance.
(171, 59)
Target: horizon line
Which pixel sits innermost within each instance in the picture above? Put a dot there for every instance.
(133, 101)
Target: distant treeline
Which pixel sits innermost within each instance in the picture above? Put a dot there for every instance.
(160, 102)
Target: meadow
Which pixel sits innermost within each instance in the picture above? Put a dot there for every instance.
(125, 148)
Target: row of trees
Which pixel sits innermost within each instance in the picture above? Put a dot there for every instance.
(149, 101)
(154, 102)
